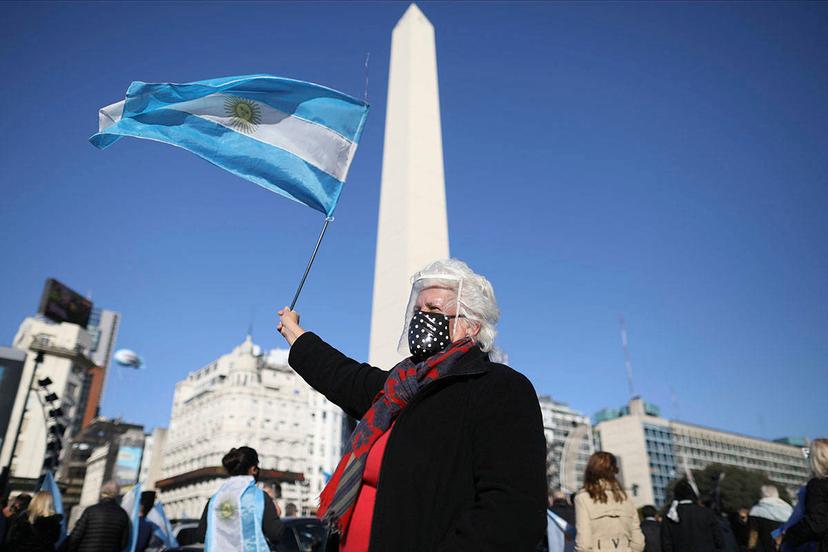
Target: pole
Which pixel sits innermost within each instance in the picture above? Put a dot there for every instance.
(6, 475)
(310, 262)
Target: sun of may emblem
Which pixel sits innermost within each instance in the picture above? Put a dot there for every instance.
(244, 114)
(226, 510)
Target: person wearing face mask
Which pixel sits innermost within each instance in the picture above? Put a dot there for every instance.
(240, 516)
(449, 452)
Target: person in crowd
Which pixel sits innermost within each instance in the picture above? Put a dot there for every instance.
(38, 529)
(560, 506)
(740, 527)
(688, 526)
(768, 514)
(240, 516)
(813, 527)
(103, 527)
(4, 505)
(464, 466)
(13, 513)
(291, 510)
(605, 517)
(275, 493)
(146, 528)
(651, 529)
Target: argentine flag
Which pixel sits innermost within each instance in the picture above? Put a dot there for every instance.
(292, 137)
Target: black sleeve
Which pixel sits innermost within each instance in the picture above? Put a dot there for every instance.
(125, 530)
(509, 465)
(201, 532)
(815, 522)
(77, 533)
(666, 537)
(349, 384)
(716, 528)
(272, 526)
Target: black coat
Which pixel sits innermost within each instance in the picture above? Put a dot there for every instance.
(464, 467)
(652, 535)
(814, 526)
(103, 527)
(40, 536)
(698, 530)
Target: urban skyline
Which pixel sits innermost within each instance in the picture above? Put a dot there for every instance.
(719, 274)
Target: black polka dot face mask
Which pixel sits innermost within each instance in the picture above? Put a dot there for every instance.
(428, 333)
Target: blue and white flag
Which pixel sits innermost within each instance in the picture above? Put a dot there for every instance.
(560, 534)
(234, 517)
(162, 527)
(131, 503)
(292, 137)
(48, 484)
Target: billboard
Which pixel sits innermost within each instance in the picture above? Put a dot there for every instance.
(127, 465)
(62, 304)
(11, 369)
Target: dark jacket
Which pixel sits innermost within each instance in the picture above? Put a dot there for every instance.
(652, 535)
(464, 467)
(272, 526)
(40, 536)
(697, 531)
(564, 510)
(103, 527)
(763, 527)
(814, 526)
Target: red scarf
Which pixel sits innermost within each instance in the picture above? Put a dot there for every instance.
(336, 503)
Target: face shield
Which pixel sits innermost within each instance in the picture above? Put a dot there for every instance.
(438, 293)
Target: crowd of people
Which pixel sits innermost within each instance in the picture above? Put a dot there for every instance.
(448, 455)
(606, 520)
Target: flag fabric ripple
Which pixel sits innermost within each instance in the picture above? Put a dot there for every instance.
(294, 138)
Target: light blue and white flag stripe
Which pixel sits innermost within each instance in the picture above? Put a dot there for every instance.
(295, 138)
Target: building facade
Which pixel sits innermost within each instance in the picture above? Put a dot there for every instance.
(63, 350)
(653, 451)
(568, 445)
(253, 399)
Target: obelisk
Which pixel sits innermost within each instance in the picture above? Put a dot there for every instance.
(413, 227)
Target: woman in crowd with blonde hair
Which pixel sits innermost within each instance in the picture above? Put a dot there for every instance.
(605, 518)
(813, 527)
(39, 529)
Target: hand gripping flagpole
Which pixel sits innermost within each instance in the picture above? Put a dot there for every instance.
(328, 220)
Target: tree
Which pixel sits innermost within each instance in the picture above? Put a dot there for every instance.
(738, 487)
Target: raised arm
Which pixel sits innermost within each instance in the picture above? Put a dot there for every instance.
(349, 384)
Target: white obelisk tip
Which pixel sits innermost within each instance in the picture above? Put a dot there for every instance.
(413, 227)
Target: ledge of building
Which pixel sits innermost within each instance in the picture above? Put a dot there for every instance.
(217, 472)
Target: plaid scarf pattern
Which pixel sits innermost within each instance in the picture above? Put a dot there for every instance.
(336, 503)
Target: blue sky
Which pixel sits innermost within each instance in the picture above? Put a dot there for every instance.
(664, 161)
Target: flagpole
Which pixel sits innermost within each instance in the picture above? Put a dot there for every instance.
(310, 262)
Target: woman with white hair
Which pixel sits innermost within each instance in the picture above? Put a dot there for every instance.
(813, 527)
(449, 452)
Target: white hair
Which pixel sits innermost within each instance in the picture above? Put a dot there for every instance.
(769, 491)
(476, 296)
(818, 458)
(110, 489)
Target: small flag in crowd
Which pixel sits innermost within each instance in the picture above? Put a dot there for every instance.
(291, 137)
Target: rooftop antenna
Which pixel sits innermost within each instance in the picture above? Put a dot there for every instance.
(627, 361)
(250, 322)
